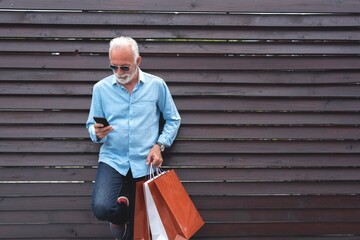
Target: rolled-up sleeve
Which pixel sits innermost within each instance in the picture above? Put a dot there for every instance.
(171, 116)
(95, 110)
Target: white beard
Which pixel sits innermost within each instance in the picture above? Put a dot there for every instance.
(125, 78)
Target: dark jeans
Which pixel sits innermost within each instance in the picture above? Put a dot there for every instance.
(109, 185)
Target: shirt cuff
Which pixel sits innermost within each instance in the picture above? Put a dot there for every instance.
(94, 137)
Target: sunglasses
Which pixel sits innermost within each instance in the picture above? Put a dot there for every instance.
(123, 68)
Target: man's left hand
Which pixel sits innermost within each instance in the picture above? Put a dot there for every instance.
(155, 156)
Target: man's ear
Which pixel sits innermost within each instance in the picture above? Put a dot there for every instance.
(138, 61)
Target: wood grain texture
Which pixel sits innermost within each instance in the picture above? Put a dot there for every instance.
(268, 93)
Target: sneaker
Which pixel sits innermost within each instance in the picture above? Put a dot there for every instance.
(124, 200)
(118, 231)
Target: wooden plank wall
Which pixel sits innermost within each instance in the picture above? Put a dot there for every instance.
(268, 92)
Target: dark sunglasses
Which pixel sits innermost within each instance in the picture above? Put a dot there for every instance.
(123, 68)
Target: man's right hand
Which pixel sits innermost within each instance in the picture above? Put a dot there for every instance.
(102, 131)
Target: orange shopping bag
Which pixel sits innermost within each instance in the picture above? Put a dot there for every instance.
(178, 214)
(141, 225)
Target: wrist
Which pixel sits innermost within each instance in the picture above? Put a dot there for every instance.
(161, 145)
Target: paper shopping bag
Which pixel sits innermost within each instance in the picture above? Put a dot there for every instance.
(156, 226)
(178, 213)
(141, 224)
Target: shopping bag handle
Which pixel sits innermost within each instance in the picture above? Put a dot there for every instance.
(154, 171)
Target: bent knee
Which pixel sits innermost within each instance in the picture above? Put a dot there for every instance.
(101, 211)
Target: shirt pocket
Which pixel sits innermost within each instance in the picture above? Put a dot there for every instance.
(145, 113)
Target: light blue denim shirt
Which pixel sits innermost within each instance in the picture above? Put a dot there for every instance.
(135, 119)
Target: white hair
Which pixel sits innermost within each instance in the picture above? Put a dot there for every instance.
(122, 41)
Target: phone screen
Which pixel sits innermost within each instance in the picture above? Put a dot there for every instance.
(102, 120)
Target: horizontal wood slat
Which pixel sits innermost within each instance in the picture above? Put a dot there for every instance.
(335, 237)
(191, 174)
(259, 213)
(179, 19)
(268, 93)
(231, 33)
(193, 188)
(282, 229)
(77, 89)
(268, 146)
(194, 118)
(186, 76)
(192, 104)
(188, 5)
(81, 231)
(195, 132)
(236, 238)
(47, 217)
(232, 160)
(200, 146)
(205, 48)
(283, 202)
(186, 63)
(247, 132)
(49, 159)
(288, 216)
(211, 229)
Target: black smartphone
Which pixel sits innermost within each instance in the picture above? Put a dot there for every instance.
(102, 120)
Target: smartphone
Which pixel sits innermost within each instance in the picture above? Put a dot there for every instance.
(102, 120)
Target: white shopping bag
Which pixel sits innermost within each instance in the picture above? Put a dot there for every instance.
(157, 228)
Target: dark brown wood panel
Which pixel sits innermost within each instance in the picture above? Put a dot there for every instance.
(266, 132)
(189, 146)
(205, 48)
(274, 146)
(278, 229)
(89, 231)
(196, 132)
(102, 18)
(231, 215)
(266, 104)
(192, 104)
(191, 174)
(231, 160)
(217, 230)
(46, 117)
(269, 143)
(42, 203)
(251, 202)
(46, 174)
(80, 231)
(194, 118)
(284, 202)
(289, 216)
(263, 160)
(189, 76)
(345, 237)
(277, 202)
(79, 89)
(230, 33)
(269, 118)
(259, 188)
(47, 217)
(193, 188)
(48, 159)
(336, 237)
(187, 5)
(185, 63)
